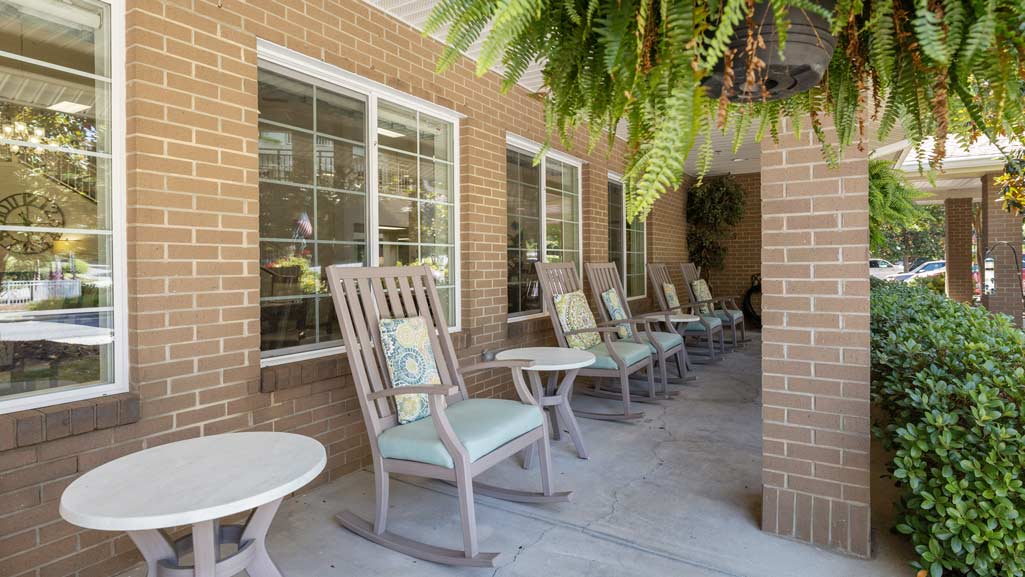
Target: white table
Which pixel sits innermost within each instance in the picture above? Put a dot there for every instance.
(673, 317)
(196, 482)
(553, 360)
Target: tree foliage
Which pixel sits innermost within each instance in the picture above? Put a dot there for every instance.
(921, 238)
(932, 66)
(891, 201)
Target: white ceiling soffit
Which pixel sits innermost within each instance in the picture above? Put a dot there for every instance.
(977, 159)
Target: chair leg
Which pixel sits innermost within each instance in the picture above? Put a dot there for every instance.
(711, 345)
(545, 451)
(624, 385)
(681, 363)
(722, 340)
(464, 483)
(651, 378)
(381, 482)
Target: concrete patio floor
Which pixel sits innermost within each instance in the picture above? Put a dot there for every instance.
(677, 494)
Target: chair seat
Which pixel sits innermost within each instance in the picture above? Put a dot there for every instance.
(665, 340)
(482, 425)
(713, 321)
(730, 316)
(628, 351)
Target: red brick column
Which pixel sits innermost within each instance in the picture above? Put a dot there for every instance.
(815, 351)
(1001, 226)
(958, 247)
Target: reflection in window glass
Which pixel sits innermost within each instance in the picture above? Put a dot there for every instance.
(315, 150)
(312, 206)
(523, 181)
(626, 244)
(56, 251)
(416, 225)
(560, 222)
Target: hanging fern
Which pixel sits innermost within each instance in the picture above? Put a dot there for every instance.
(932, 67)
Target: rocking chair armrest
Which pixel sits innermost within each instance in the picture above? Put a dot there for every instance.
(442, 390)
(627, 321)
(489, 365)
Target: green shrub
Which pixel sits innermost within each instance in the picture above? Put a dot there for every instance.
(937, 283)
(951, 383)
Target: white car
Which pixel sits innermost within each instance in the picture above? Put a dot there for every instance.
(926, 269)
(880, 268)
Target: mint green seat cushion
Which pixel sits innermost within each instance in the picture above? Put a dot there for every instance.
(629, 352)
(482, 425)
(730, 316)
(700, 328)
(665, 340)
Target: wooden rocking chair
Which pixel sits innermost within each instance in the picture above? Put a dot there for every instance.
(723, 307)
(461, 438)
(615, 359)
(610, 298)
(706, 328)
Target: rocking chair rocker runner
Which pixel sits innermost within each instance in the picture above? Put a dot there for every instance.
(575, 327)
(461, 437)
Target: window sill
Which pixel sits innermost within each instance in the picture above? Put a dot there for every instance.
(529, 317)
(34, 426)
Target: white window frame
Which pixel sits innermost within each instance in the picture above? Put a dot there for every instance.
(618, 178)
(119, 254)
(527, 146)
(372, 91)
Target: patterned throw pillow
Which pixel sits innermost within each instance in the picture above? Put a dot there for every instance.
(574, 314)
(702, 293)
(407, 350)
(616, 312)
(671, 297)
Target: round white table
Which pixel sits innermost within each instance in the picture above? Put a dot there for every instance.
(196, 482)
(674, 317)
(556, 399)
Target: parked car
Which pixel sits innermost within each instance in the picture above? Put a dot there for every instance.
(928, 268)
(881, 268)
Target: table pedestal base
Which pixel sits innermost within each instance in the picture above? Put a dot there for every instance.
(163, 557)
(556, 402)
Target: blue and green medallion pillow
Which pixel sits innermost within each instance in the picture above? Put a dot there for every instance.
(615, 308)
(407, 351)
(672, 299)
(574, 314)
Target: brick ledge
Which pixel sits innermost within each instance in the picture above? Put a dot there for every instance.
(35, 426)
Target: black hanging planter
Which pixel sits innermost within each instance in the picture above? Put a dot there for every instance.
(806, 55)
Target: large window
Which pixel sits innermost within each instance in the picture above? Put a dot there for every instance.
(553, 216)
(61, 203)
(319, 208)
(627, 242)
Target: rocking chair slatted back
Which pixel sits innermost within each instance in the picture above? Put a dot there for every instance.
(557, 278)
(690, 274)
(362, 297)
(603, 277)
(658, 272)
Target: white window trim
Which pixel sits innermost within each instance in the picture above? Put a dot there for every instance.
(118, 225)
(528, 146)
(616, 177)
(372, 91)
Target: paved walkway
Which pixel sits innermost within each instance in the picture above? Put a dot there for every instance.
(675, 495)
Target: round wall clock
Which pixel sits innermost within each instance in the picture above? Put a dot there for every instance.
(29, 209)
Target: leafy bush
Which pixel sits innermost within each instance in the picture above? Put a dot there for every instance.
(937, 283)
(951, 383)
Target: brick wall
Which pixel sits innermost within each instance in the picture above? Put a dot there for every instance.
(958, 248)
(815, 351)
(1002, 226)
(193, 250)
(743, 245)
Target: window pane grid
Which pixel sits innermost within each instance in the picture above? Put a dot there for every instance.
(57, 287)
(317, 167)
